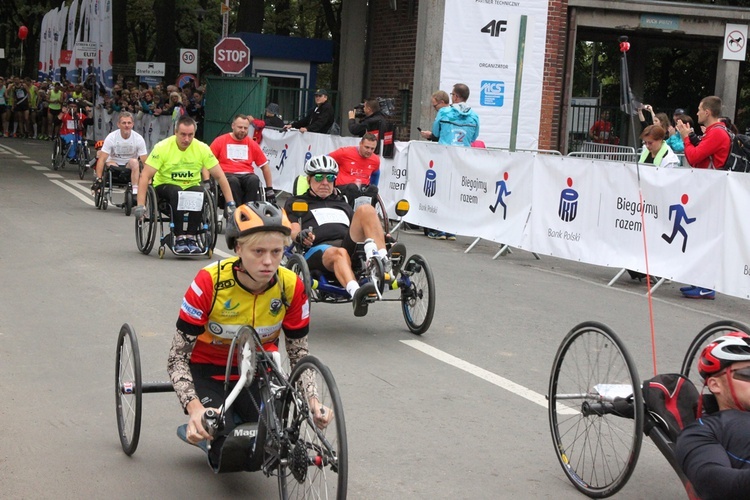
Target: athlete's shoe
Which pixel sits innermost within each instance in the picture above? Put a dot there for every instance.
(687, 288)
(182, 434)
(436, 235)
(360, 298)
(180, 246)
(193, 246)
(699, 293)
(398, 256)
(450, 237)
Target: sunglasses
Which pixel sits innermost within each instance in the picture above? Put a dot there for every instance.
(320, 177)
(742, 374)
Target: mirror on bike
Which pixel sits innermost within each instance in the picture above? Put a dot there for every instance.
(299, 208)
(402, 208)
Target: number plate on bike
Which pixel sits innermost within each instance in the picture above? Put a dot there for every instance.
(611, 391)
(190, 201)
(362, 200)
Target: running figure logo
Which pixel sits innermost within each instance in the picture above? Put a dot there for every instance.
(282, 158)
(430, 181)
(679, 216)
(568, 208)
(502, 190)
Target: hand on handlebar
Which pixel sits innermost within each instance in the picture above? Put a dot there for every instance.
(306, 237)
(196, 430)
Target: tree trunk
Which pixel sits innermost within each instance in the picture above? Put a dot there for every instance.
(250, 16)
(166, 42)
(119, 32)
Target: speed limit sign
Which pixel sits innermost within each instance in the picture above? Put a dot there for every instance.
(188, 61)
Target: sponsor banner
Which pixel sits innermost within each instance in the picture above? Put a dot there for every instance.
(735, 249)
(480, 49)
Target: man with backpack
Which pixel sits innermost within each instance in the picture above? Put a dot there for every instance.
(713, 148)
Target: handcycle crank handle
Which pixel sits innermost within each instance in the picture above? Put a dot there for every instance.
(210, 421)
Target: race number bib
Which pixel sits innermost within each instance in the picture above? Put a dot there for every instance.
(70, 124)
(362, 200)
(237, 151)
(330, 216)
(190, 201)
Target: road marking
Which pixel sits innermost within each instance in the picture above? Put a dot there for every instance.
(490, 377)
(53, 176)
(39, 167)
(222, 253)
(82, 197)
(31, 162)
(13, 151)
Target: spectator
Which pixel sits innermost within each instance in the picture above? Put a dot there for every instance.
(359, 167)
(373, 122)
(656, 152)
(318, 119)
(602, 131)
(4, 108)
(272, 117)
(646, 120)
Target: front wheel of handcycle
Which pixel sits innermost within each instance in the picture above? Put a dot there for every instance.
(57, 157)
(128, 389)
(418, 294)
(145, 228)
(595, 410)
(317, 465)
(711, 332)
(298, 265)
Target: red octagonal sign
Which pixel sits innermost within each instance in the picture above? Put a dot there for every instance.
(231, 55)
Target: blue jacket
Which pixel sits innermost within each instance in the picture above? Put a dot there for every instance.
(456, 125)
(675, 142)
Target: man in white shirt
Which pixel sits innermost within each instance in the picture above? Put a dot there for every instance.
(122, 148)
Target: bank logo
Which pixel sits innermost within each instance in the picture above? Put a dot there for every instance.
(430, 181)
(492, 93)
(679, 216)
(568, 208)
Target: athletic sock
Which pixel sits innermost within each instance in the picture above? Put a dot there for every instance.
(352, 287)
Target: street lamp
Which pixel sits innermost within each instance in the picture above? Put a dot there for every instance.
(201, 14)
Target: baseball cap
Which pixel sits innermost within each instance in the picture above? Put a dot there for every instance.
(321, 92)
(272, 108)
(679, 111)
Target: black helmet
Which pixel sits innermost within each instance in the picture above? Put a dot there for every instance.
(71, 101)
(254, 217)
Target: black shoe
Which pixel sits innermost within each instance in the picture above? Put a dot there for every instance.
(398, 257)
(360, 299)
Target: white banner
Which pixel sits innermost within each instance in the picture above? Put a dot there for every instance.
(480, 49)
(735, 250)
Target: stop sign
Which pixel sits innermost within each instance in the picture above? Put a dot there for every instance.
(231, 55)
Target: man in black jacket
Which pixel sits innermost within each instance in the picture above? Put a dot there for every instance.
(319, 119)
(374, 122)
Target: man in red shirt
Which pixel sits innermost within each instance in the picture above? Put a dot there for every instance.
(711, 150)
(71, 127)
(359, 167)
(238, 154)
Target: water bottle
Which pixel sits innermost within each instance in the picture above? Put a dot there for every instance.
(371, 249)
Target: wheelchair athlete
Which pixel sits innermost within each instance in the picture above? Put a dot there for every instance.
(175, 165)
(121, 150)
(250, 289)
(71, 128)
(714, 451)
(332, 229)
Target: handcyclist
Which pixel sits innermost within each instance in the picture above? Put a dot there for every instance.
(71, 127)
(714, 452)
(330, 229)
(249, 289)
(175, 165)
(122, 149)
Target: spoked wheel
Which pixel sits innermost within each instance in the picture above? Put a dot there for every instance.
(128, 389)
(99, 198)
(713, 331)
(382, 214)
(417, 294)
(129, 200)
(83, 160)
(595, 410)
(298, 264)
(145, 229)
(317, 465)
(207, 237)
(57, 154)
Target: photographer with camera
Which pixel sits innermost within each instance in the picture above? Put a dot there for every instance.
(371, 119)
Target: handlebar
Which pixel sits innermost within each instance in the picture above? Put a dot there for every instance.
(622, 407)
(211, 421)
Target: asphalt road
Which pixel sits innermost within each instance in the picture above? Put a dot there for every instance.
(418, 426)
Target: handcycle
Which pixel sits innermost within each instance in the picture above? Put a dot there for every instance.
(412, 277)
(82, 156)
(597, 412)
(159, 212)
(307, 460)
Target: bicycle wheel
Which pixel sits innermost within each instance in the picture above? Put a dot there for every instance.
(57, 158)
(382, 214)
(145, 229)
(128, 389)
(297, 263)
(83, 160)
(713, 331)
(595, 410)
(417, 294)
(317, 461)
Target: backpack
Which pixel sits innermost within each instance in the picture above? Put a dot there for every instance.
(739, 153)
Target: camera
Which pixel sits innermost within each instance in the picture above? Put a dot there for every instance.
(387, 107)
(359, 111)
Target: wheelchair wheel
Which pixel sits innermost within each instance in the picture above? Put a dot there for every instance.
(207, 237)
(714, 330)
(100, 198)
(298, 264)
(145, 230)
(317, 464)
(128, 389)
(597, 436)
(417, 294)
(128, 200)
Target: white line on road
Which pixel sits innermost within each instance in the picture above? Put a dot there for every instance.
(31, 162)
(84, 198)
(490, 377)
(13, 151)
(53, 176)
(222, 253)
(39, 167)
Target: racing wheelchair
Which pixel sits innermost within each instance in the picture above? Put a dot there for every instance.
(412, 277)
(599, 410)
(159, 212)
(82, 155)
(115, 177)
(307, 460)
